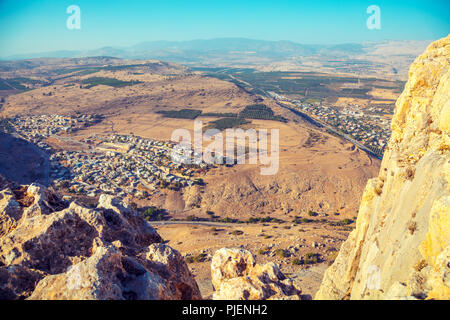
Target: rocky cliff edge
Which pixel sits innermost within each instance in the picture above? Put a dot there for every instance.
(53, 250)
(400, 248)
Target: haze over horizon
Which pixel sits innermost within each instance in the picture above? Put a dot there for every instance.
(40, 26)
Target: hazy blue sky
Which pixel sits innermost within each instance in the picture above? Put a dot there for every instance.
(39, 26)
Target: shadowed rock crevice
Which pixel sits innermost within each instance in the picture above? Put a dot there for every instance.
(22, 161)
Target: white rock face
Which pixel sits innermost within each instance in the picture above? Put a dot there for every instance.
(400, 247)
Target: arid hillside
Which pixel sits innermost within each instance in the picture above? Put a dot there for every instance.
(317, 171)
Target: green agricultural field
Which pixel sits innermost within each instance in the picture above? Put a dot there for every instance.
(181, 114)
(13, 83)
(219, 115)
(88, 70)
(4, 85)
(309, 85)
(260, 111)
(226, 123)
(112, 82)
(228, 120)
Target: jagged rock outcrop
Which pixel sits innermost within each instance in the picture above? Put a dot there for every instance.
(49, 250)
(236, 276)
(400, 248)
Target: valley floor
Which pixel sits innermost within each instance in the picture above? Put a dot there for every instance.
(285, 244)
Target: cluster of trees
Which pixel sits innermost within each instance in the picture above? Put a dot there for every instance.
(112, 82)
(260, 111)
(218, 114)
(155, 214)
(227, 119)
(226, 123)
(181, 114)
(309, 258)
(266, 219)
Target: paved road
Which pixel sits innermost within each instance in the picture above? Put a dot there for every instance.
(319, 123)
(202, 223)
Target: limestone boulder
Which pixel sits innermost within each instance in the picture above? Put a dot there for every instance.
(236, 276)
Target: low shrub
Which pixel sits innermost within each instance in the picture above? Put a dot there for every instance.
(281, 253)
(311, 258)
(312, 213)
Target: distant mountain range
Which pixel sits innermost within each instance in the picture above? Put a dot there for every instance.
(385, 58)
(197, 50)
